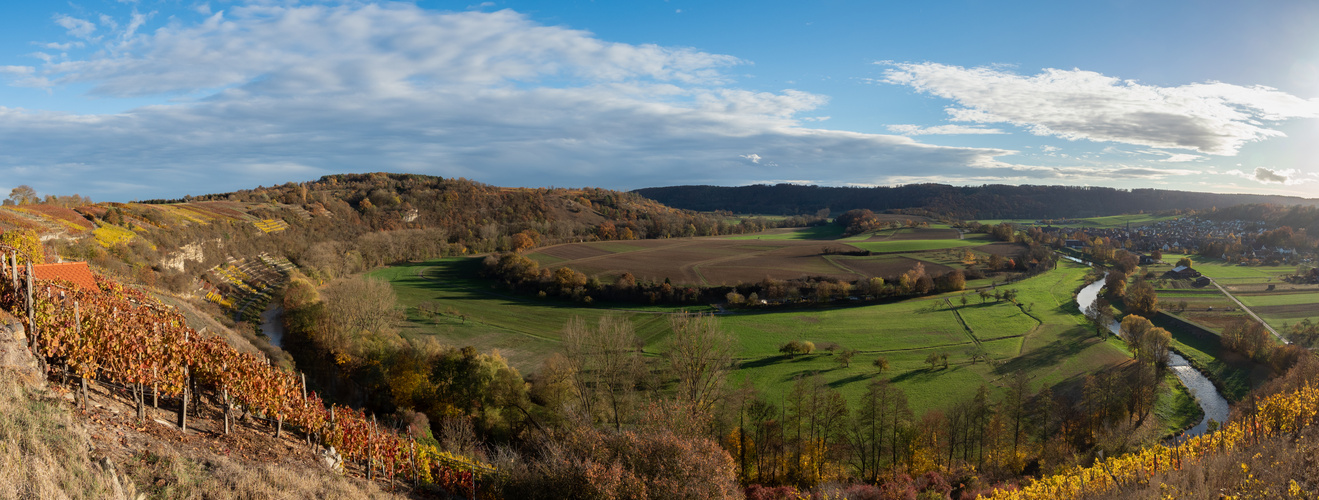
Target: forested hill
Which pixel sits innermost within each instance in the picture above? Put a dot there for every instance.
(984, 202)
(339, 225)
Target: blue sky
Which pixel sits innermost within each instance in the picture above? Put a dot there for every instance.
(123, 100)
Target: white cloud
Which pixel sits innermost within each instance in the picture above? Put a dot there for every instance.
(1212, 118)
(1287, 176)
(1050, 149)
(62, 46)
(942, 130)
(284, 93)
(80, 28)
(1181, 158)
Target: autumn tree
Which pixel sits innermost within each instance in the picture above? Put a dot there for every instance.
(881, 364)
(1115, 285)
(795, 347)
(845, 357)
(358, 307)
(23, 195)
(1142, 298)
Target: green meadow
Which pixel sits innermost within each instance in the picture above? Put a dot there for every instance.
(1043, 334)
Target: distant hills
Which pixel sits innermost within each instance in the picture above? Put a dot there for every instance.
(966, 202)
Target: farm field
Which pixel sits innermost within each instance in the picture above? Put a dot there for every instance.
(1258, 287)
(781, 254)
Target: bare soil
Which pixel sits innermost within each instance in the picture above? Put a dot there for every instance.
(1003, 249)
(890, 268)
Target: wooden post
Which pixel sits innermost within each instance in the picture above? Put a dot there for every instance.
(304, 386)
(416, 474)
(155, 389)
(224, 394)
(31, 312)
(183, 405)
(140, 394)
(77, 331)
(371, 451)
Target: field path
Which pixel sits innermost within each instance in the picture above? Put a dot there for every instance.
(1250, 312)
(965, 326)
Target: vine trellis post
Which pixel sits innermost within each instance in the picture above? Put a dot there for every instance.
(31, 312)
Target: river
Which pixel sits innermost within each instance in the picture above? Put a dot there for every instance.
(1204, 392)
(272, 324)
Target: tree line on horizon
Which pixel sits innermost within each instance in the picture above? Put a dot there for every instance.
(956, 202)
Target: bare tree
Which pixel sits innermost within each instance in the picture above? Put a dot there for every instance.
(361, 305)
(700, 354)
(606, 363)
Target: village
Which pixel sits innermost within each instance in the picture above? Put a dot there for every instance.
(1238, 242)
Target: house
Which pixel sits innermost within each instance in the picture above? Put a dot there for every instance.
(1182, 273)
(75, 272)
(1074, 244)
(1145, 260)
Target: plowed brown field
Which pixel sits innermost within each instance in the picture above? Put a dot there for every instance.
(716, 261)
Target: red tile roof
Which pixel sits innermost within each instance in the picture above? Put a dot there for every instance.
(76, 272)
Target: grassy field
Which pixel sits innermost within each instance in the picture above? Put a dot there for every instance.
(1044, 336)
(899, 246)
(1110, 221)
(524, 330)
(1175, 406)
(825, 232)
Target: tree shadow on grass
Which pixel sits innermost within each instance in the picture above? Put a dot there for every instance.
(782, 358)
(1051, 354)
(854, 378)
(923, 374)
(806, 373)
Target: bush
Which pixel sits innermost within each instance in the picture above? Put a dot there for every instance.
(588, 463)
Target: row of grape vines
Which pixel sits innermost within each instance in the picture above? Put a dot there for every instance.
(120, 335)
(1283, 414)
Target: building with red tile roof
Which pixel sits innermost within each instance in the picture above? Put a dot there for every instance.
(76, 272)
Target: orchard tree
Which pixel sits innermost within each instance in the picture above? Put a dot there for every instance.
(881, 363)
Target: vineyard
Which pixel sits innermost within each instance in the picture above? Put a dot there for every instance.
(250, 284)
(271, 225)
(121, 336)
(1285, 414)
(110, 235)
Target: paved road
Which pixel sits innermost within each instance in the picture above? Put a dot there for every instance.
(1250, 312)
